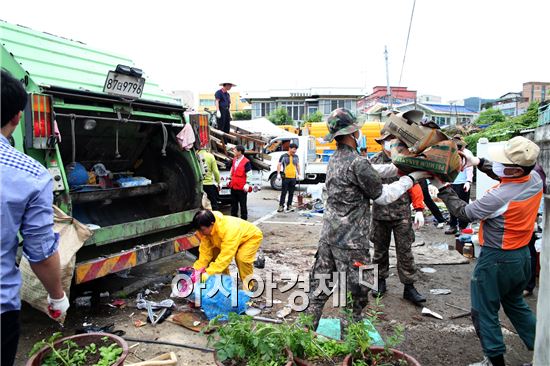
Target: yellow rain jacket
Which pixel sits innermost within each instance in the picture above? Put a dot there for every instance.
(231, 238)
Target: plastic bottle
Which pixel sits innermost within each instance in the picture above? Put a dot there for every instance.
(468, 250)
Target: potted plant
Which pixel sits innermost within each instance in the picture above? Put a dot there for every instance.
(356, 348)
(240, 341)
(101, 349)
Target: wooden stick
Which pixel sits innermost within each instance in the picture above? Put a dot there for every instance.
(456, 307)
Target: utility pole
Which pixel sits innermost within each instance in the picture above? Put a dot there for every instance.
(388, 90)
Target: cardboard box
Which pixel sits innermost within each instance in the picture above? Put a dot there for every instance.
(441, 159)
(417, 138)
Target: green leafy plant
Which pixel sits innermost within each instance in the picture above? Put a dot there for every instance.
(313, 117)
(242, 115)
(70, 353)
(280, 116)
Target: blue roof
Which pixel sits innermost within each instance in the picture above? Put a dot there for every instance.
(446, 108)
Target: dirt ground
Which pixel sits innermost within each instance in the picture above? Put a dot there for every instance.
(290, 241)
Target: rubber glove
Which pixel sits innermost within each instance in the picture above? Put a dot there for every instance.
(218, 114)
(469, 158)
(466, 187)
(418, 220)
(57, 308)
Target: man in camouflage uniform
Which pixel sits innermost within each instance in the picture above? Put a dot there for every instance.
(350, 184)
(396, 218)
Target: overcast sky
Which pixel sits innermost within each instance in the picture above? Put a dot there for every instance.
(457, 48)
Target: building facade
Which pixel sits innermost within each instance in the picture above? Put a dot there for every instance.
(300, 103)
(442, 114)
(379, 95)
(535, 91)
(510, 104)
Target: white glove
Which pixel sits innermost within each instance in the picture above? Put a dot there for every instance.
(433, 191)
(466, 187)
(420, 175)
(385, 170)
(469, 158)
(218, 114)
(418, 220)
(57, 308)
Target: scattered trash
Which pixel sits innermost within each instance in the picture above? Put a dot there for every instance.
(427, 270)
(260, 261)
(226, 298)
(284, 312)
(275, 301)
(141, 303)
(86, 324)
(83, 302)
(166, 359)
(267, 320)
(93, 227)
(149, 292)
(426, 311)
(440, 291)
(139, 323)
(468, 250)
(192, 320)
(418, 244)
(456, 307)
(158, 317)
(253, 311)
(104, 294)
(96, 329)
(118, 303)
(131, 315)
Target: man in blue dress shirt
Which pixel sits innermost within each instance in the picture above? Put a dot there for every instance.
(26, 198)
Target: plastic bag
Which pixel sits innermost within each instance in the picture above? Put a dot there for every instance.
(72, 235)
(219, 296)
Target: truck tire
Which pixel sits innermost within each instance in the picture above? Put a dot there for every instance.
(273, 182)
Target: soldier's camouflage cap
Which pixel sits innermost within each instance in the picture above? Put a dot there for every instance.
(342, 122)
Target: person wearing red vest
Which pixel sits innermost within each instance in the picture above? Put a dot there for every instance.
(239, 169)
(507, 213)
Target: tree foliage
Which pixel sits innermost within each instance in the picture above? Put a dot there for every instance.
(490, 116)
(280, 116)
(242, 115)
(506, 129)
(314, 117)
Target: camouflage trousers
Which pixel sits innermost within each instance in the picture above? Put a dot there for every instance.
(403, 235)
(330, 259)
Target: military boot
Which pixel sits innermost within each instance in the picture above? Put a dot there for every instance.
(411, 294)
(381, 288)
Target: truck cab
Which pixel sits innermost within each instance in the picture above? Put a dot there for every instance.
(107, 134)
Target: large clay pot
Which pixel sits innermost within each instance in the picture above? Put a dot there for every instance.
(82, 340)
(290, 359)
(397, 355)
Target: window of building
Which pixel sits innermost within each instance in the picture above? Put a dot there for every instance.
(207, 102)
(295, 109)
(328, 105)
(262, 109)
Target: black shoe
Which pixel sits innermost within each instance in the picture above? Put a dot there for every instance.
(381, 289)
(260, 261)
(411, 294)
(451, 231)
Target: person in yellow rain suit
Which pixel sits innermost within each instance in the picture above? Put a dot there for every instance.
(224, 238)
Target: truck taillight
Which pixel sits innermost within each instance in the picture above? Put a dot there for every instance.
(39, 120)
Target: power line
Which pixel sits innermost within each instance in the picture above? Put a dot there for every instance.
(407, 43)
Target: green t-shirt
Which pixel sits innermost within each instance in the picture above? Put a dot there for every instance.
(210, 168)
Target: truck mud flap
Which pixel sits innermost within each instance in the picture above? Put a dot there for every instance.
(99, 267)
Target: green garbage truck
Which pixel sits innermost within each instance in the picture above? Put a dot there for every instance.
(108, 136)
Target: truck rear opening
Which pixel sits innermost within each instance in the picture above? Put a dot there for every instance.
(126, 149)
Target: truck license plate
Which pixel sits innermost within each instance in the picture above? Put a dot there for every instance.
(124, 85)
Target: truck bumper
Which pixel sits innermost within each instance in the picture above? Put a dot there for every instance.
(99, 267)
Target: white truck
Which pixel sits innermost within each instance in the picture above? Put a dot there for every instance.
(311, 171)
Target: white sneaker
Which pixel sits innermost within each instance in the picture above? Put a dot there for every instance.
(484, 362)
